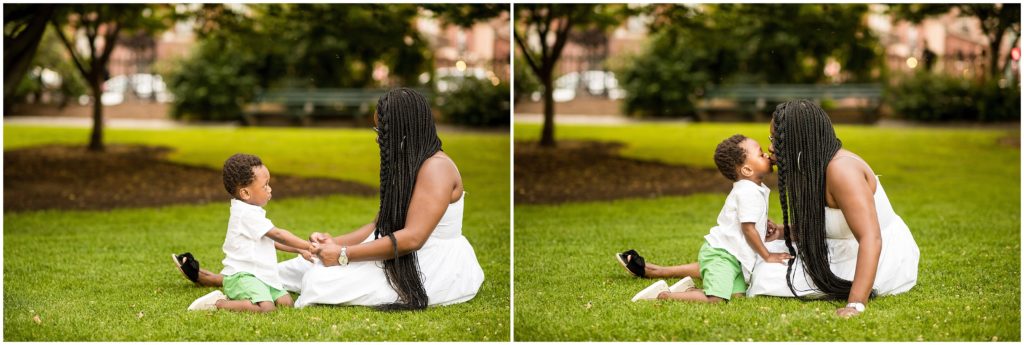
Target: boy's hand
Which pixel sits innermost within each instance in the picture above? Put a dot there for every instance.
(319, 237)
(306, 255)
(779, 258)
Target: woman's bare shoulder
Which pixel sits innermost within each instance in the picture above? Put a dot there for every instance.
(844, 172)
(441, 169)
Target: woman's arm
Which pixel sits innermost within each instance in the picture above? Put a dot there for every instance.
(852, 194)
(357, 236)
(430, 198)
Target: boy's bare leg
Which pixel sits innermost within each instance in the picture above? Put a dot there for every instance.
(285, 301)
(207, 278)
(242, 305)
(693, 295)
(691, 270)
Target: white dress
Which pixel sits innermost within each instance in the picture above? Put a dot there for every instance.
(897, 264)
(448, 266)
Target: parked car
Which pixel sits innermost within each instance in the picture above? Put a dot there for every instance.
(447, 77)
(594, 82)
(143, 86)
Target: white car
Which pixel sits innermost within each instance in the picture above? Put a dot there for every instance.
(594, 82)
(142, 85)
(447, 77)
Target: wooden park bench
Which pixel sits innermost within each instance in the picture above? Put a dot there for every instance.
(301, 106)
(757, 102)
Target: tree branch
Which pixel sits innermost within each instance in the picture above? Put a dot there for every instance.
(526, 52)
(562, 36)
(71, 49)
(90, 33)
(110, 41)
(544, 25)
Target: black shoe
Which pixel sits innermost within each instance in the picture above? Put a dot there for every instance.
(633, 262)
(187, 265)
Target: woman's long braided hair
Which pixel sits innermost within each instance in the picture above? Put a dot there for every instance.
(407, 137)
(804, 143)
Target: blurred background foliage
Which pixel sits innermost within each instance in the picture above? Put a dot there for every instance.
(692, 48)
(294, 46)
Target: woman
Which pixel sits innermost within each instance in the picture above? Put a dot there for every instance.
(848, 242)
(413, 254)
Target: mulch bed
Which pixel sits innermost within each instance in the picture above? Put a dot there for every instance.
(594, 171)
(71, 178)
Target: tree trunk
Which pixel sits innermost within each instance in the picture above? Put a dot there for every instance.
(547, 133)
(19, 51)
(96, 138)
(993, 58)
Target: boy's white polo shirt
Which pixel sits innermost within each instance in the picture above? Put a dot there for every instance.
(246, 249)
(746, 203)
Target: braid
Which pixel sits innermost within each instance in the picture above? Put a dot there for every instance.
(781, 164)
(407, 137)
(804, 143)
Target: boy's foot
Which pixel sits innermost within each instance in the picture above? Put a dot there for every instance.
(633, 262)
(187, 265)
(651, 292)
(683, 285)
(208, 302)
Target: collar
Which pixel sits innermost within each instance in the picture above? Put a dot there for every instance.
(242, 205)
(748, 183)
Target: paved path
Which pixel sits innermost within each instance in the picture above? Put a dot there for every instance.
(615, 120)
(599, 120)
(60, 121)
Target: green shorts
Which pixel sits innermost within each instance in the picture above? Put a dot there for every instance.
(245, 286)
(721, 272)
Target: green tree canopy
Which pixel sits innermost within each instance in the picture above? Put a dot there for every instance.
(693, 47)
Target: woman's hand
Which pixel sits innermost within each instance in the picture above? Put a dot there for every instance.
(328, 252)
(774, 232)
(847, 312)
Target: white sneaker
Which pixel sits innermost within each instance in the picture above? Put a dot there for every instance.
(683, 285)
(651, 292)
(208, 302)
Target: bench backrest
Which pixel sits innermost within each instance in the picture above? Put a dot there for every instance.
(775, 92)
(322, 96)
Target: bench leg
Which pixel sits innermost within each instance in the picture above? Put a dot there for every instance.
(248, 119)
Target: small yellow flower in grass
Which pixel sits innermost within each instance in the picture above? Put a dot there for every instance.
(995, 338)
(37, 320)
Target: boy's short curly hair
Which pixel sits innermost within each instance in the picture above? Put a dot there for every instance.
(729, 156)
(238, 172)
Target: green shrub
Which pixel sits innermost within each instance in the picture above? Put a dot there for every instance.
(662, 83)
(934, 97)
(213, 84)
(526, 82)
(475, 102)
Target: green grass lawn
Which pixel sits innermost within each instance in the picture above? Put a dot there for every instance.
(106, 275)
(957, 189)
